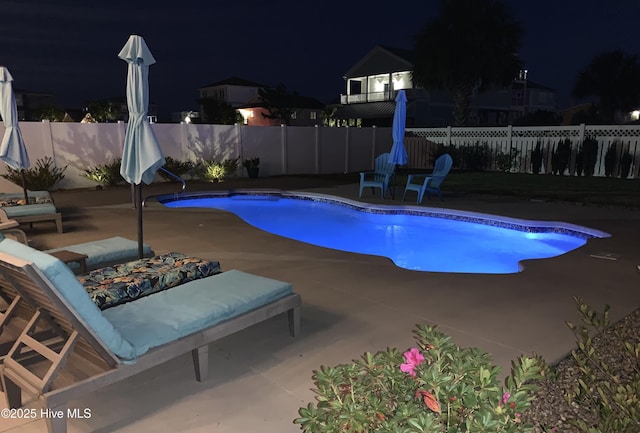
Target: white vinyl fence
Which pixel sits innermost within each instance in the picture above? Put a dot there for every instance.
(621, 141)
(281, 149)
(318, 150)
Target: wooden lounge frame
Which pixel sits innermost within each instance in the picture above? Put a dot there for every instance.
(30, 219)
(70, 340)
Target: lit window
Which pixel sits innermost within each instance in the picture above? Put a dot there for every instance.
(313, 115)
(294, 114)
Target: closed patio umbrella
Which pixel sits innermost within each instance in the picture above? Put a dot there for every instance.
(141, 154)
(12, 149)
(398, 154)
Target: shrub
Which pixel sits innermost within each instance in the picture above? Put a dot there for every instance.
(107, 174)
(589, 155)
(230, 166)
(213, 171)
(251, 163)
(505, 162)
(44, 176)
(179, 168)
(476, 157)
(436, 387)
(625, 165)
(611, 159)
(536, 158)
(561, 156)
(612, 393)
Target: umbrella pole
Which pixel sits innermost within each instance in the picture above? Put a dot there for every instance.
(24, 186)
(139, 206)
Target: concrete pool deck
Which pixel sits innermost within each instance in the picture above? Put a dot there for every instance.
(260, 377)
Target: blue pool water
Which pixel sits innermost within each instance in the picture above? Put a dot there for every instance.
(416, 242)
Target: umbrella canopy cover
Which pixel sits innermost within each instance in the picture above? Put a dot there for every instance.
(12, 149)
(398, 152)
(141, 154)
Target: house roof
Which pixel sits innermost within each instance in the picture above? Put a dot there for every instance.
(407, 55)
(234, 81)
(382, 60)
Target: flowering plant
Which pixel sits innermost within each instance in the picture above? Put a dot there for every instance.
(436, 387)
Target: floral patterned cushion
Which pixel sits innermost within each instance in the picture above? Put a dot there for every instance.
(125, 282)
(14, 201)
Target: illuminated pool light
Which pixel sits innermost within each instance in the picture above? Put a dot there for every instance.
(415, 238)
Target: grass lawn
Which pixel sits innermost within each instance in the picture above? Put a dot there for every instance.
(599, 191)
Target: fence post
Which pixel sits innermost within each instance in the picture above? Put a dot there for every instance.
(581, 133)
(47, 139)
(448, 135)
(283, 138)
(373, 146)
(239, 148)
(509, 145)
(317, 155)
(346, 150)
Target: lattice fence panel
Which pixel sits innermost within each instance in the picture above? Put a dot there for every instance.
(422, 145)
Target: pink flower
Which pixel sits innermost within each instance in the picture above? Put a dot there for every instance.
(505, 397)
(413, 358)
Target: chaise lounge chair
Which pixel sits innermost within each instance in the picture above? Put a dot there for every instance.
(40, 209)
(429, 183)
(95, 348)
(9, 228)
(99, 253)
(379, 177)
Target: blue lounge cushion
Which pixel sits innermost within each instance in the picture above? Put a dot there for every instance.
(70, 288)
(166, 316)
(30, 209)
(110, 250)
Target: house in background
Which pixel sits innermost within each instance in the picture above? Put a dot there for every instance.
(234, 91)
(29, 104)
(245, 97)
(302, 111)
(373, 82)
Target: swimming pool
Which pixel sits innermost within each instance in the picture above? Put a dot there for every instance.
(415, 238)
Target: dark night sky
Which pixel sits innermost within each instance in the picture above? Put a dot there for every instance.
(70, 49)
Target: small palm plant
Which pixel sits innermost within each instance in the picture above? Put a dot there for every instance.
(107, 174)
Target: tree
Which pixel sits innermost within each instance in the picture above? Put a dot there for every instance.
(103, 110)
(277, 102)
(612, 77)
(219, 112)
(329, 115)
(50, 113)
(471, 46)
